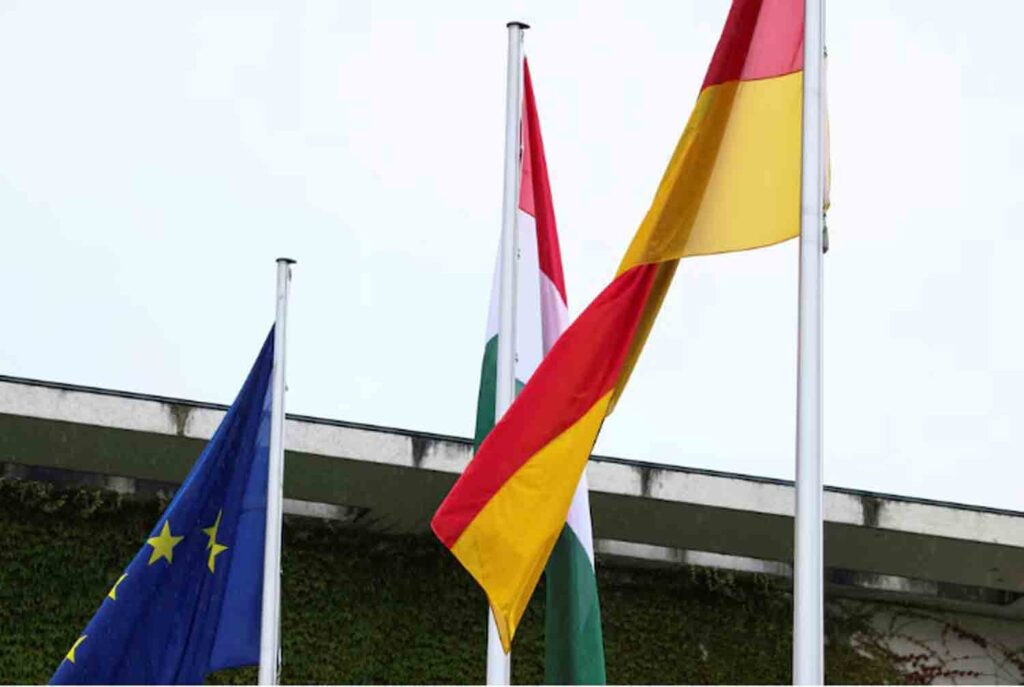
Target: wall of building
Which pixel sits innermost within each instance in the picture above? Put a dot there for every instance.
(948, 648)
(366, 607)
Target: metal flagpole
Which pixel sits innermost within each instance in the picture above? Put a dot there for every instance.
(808, 568)
(270, 621)
(499, 664)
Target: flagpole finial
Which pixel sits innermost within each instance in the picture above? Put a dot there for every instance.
(520, 24)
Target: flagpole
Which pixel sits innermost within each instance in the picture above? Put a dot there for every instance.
(270, 621)
(499, 664)
(809, 565)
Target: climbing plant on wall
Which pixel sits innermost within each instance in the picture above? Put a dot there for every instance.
(364, 607)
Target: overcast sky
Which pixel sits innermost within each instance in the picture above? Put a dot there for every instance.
(156, 158)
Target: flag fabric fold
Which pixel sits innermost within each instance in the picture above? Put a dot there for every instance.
(189, 602)
(733, 183)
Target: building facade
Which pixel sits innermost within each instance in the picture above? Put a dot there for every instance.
(693, 564)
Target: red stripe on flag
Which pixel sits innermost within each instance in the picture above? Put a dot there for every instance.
(581, 368)
(761, 39)
(535, 191)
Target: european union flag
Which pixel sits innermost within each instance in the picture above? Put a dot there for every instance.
(189, 603)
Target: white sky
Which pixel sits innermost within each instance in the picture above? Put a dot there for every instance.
(156, 158)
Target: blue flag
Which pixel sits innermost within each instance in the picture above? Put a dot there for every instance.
(189, 603)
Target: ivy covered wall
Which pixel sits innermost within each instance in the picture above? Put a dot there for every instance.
(361, 607)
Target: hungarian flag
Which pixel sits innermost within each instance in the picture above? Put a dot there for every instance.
(733, 183)
(574, 648)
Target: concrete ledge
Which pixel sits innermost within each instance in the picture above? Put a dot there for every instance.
(393, 480)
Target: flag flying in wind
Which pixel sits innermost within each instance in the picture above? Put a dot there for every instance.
(541, 309)
(733, 183)
(189, 602)
(574, 647)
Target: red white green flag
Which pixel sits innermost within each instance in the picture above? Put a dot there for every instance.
(573, 644)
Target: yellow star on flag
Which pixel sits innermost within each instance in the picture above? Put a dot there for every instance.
(163, 545)
(212, 546)
(112, 594)
(71, 652)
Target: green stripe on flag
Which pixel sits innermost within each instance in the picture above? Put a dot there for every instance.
(485, 398)
(574, 650)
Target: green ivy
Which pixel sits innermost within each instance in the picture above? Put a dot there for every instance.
(364, 607)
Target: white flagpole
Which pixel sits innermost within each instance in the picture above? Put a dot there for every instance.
(270, 621)
(499, 664)
(809, 564)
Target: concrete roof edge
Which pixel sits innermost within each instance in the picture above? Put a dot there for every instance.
(857, 493)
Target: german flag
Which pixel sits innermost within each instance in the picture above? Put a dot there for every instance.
(733, 184)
